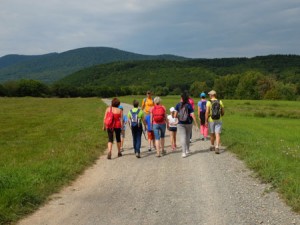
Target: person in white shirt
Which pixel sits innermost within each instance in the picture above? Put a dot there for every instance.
(172, 127)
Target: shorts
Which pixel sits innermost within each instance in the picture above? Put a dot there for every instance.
(173, 129)
(110, 133)
(159, 131)
(215, 127)
(150, 135)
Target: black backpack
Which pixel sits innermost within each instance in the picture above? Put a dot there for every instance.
(215, 109)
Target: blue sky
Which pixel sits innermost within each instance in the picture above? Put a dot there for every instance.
(191, 28)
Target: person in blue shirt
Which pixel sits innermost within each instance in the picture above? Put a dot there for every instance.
(150, 132)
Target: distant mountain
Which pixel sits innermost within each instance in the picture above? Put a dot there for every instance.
(54, 66)
(152, 73)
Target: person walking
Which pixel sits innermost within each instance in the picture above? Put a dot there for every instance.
(213, 118)
(172, 127)
(147, 103)
(150, 133)
(136, 119)
(158, 120)
(201, 115)
(123, 130)
(113, 123)
(186, 116)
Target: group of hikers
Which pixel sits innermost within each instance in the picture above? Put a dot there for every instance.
(152, 118)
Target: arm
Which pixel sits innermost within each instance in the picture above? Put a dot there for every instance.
(199, 110)
(195, 120)
(143, 104)
(104, 128)
(121, 118)
(207, 114)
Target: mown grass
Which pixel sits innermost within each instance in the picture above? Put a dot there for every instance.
(45, 143)
(265, 134)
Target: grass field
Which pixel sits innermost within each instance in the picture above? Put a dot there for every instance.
(45, 143)
(266, 135)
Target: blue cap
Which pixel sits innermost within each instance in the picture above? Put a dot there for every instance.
(202, 94)
(120, 107)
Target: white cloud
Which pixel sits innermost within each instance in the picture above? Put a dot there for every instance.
(195, 28)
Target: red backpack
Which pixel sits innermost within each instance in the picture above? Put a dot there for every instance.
(109, 119)
(158, 114)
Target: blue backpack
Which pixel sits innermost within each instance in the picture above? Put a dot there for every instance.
(135, 121)
(203, 106)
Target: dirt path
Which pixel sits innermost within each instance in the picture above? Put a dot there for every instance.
(204, 188)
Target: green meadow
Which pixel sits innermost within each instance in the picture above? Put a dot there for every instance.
(264, 134)
(45, 144)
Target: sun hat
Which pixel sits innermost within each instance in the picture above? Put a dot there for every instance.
(212, 92)
(172, 109)
(202, 94)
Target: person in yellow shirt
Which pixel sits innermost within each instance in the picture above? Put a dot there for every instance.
(213, 118)
(147, 103)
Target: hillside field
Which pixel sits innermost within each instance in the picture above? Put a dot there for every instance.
(46, 143)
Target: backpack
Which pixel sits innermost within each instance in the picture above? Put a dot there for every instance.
(158, 114)
(215, 109)
(183, 114)
(135, 121)
(203, 106)
(109, 119)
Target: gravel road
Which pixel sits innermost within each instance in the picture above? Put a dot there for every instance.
(204, 189)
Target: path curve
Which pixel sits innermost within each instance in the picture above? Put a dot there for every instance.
(204, 188)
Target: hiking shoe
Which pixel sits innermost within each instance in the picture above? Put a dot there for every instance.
(138, 155)
(217, 151)
(109, 156)
(119, 154)
(212, 148)
(183, 155)
(149, 149)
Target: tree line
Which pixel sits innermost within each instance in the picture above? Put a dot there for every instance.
(250, 85)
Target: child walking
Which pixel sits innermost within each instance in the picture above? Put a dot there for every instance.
(201, 115)
(150, 133)
(172, 127)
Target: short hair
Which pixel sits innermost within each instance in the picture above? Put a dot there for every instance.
(115, 102)
(157, 100)
(135, 103)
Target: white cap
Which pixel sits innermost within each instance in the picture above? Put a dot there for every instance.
(172, 109)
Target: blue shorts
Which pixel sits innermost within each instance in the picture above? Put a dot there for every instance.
(159, 131)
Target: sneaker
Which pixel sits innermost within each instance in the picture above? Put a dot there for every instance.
(217, 151)
(188, 152)
(109, 155)
(149, 149)
(212, 148)
(138, 155)
(183, 155)
(158, 155)
(119, 154)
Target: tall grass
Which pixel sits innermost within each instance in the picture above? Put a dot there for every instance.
(266, 135)
(45, 143)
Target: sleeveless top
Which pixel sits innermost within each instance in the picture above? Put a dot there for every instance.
(117, 119)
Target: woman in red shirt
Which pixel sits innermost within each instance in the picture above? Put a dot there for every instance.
(117, 126)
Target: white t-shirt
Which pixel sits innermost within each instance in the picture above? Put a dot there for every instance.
(172, 121)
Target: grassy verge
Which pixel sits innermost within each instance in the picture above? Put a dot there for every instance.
(45, 143)
(265, 134)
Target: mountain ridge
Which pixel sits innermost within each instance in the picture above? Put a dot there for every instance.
(54, 66)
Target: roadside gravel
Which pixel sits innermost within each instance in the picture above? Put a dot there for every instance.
(204, 188)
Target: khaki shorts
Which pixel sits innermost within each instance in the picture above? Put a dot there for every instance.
(215, 127)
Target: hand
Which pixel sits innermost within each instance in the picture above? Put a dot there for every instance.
(104, 128)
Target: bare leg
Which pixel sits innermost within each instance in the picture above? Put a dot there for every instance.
(157, 144)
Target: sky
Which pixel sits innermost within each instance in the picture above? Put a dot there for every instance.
(190, 28)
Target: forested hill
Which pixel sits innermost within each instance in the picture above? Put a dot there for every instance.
(252, 78)
(54, 66)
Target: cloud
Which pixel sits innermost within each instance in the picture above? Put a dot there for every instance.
(193, 28)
